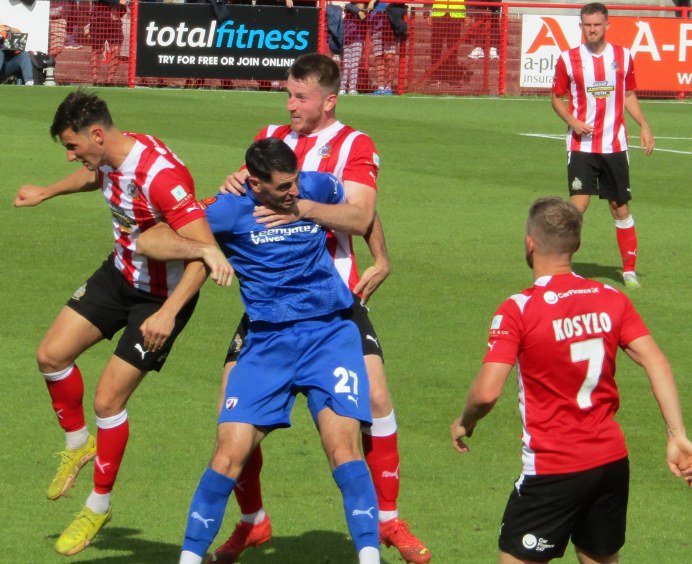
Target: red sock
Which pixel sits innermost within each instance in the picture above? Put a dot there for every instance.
(66, 389)
(382, 457)
(111, 440)
(627, 241)
(248, 490)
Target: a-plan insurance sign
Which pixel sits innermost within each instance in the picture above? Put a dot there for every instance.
(256, 42)
(661, 48)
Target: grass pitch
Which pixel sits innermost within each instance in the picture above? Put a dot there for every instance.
(457, 177)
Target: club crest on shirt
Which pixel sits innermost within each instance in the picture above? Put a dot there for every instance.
(132, 190)
(576, 185)
(325, 151)
(614, 65)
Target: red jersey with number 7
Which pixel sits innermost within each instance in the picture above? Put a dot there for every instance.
(564, 333)
(349, 155)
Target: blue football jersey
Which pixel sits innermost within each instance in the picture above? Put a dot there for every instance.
(285, 273)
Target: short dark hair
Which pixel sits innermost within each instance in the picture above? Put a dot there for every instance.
(593, 8)
(321, 67)
(78, 110)
(266, 156)
(555, 225)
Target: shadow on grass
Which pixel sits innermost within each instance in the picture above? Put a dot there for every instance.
(313, 547)
(593, 270)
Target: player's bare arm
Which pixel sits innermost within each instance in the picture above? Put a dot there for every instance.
(353, 217)
(157, 328)
(81, 180)
(164, 244)
(560, 108)
(374, 275)
(235, 182)
(646, 353)
(646, 138)
(482, 396)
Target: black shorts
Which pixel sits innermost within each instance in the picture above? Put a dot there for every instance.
(358, 314)
(604, 175)
(544, 512)
(110, 303)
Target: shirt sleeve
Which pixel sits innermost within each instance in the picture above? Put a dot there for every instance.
(633, 326)
(561, 79)
(505, 335)
(363, 163)
(630, 81)
(173, 194)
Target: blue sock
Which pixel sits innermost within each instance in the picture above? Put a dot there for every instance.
(360, 503)
(206, 511)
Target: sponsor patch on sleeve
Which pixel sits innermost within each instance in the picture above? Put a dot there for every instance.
(497, 321)
(179, 193)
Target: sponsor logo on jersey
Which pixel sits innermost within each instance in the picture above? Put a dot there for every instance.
(376, 159)
(125, 222)
(279, 234)
(550, 297)
(496, 322)
(600, 89)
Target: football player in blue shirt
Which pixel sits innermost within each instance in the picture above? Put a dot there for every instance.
(300, 340)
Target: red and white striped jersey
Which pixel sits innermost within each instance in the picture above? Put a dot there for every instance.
(151, 186)
(564, 333)
(349, 155)
(596, 87)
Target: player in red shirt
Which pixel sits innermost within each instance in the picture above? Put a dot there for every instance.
(598, 78)
(143, 183)
(563, 333)
(323, 143)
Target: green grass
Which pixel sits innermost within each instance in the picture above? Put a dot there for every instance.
(457, 178)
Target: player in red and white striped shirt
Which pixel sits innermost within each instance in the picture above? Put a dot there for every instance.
(143, 183)
(563, 334)
(323, 143)
(598, 79)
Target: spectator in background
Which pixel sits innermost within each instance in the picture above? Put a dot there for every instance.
(106, 27)
(335, 30)
(354, 38)
(383, 47)
(489, 32)
(682, 4)
(14, 62)
(447, 19)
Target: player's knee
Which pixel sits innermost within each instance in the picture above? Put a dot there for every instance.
(380, 401)
(50, 359)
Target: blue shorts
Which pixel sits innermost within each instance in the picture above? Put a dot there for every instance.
(320, 358)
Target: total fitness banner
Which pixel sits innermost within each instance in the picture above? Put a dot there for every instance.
(661, 49)
(257, 42)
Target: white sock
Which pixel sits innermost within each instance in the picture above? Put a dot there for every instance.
(99, 503)
(76, 439)
(369, 555)
(187, 557)
(254, 518)
(384, 516)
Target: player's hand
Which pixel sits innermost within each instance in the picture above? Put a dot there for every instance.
(371, 279)
(220, 270)
(235, 183)
(581, 128)
(458, 434)
(646, 140)
(679, 458)
(29, 195)
(156, 329)
(272, 218)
